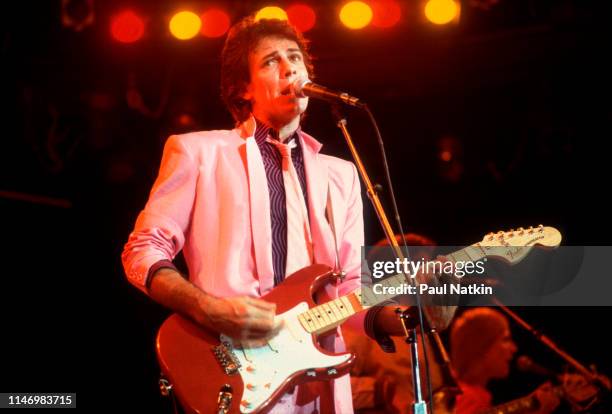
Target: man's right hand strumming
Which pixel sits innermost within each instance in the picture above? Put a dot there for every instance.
(242, 317)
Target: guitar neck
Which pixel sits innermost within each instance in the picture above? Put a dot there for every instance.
(322, 318)
(522, 405)
(518, 406)
(510, 246)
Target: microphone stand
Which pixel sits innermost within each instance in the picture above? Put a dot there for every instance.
(593, 377)
(419, 406)
(409, 325)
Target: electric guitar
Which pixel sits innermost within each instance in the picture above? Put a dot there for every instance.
(210, 372)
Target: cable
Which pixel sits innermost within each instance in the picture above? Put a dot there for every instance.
(405, 245)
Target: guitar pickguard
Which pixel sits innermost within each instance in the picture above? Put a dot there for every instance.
(266, 368)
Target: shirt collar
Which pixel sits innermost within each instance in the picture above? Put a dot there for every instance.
(263, 131)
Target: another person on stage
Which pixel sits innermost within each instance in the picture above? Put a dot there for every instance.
(482, 350)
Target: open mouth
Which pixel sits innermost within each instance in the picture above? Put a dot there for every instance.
(286, 91)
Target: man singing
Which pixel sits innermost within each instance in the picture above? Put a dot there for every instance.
(248, 207)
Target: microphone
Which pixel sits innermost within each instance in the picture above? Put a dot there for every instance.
(305, 87)
(526, 364)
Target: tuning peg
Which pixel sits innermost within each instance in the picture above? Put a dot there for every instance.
(540, 228)
(530, 230)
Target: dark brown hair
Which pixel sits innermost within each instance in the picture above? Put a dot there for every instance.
(241, 40)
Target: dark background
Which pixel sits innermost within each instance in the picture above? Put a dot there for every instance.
(518, 93)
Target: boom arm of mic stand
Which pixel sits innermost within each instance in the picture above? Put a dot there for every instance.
(420, 406)
(370, 189)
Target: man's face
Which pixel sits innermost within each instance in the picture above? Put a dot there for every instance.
(500, 355)
(274, 65)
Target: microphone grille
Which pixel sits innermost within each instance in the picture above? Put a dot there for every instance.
(298, 86)
(524, 363)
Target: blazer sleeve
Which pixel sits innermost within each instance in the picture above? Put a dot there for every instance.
(350, 253)
(159, 232)
(352, 238)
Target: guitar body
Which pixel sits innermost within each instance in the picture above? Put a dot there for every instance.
(198, 363)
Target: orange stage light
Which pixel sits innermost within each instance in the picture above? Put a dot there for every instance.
(441, 11)
(185, 25)
(356, 15)
(271, 12)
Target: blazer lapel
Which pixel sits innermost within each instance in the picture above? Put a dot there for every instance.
(317, 182)
(261, 227)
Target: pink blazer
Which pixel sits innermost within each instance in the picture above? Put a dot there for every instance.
(211, 200)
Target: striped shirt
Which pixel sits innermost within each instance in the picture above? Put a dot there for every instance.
(272, 161)
(278, 214)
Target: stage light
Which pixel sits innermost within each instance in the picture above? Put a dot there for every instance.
(271, 12)
(446, 156)
(185, 25)
(215, 22)
(387, 13)
(356, 15)
(301, 16)
(185, 120)
(127, 27)
(450, 158)
(441, 11)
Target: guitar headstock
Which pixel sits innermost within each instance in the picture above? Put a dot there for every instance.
(532, 236)
(513, 245)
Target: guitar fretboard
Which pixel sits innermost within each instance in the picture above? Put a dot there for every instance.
(322, 318)
(518, 406)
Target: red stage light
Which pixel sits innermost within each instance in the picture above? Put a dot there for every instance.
(386, 13)
(302, 17)
(215, 22)
(127, 27)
